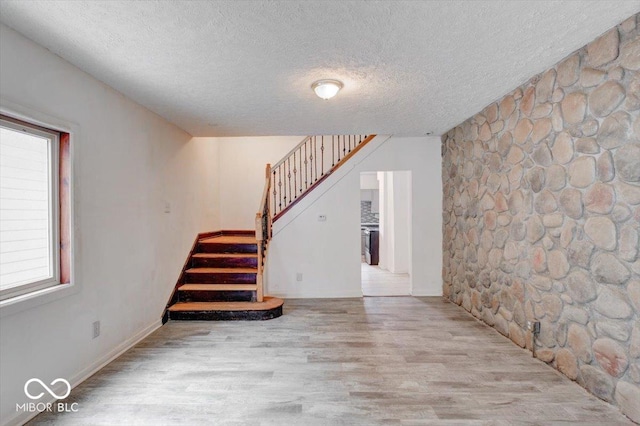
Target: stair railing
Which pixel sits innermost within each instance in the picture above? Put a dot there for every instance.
(263, 233)
(306, 165)
(290, 179)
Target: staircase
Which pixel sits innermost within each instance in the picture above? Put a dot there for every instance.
(222, 279)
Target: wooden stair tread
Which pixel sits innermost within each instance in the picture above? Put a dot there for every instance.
(230, 239)
(222, 271)
(225, 255)
(218, 287)
(269, 303)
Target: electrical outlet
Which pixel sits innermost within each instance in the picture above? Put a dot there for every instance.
(322, 218)
(533, 326)
(167, 207)
(96, 329)
(299, 276)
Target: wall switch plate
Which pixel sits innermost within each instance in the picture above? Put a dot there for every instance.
(299, 276)
(322, 218)
(96, 329)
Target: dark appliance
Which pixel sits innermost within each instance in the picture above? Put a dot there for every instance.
(371, 246)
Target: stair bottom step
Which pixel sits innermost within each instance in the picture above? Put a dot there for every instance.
(225, 315)
(227, 311)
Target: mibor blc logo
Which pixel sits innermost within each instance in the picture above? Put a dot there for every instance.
(35, 389)
(47, 388)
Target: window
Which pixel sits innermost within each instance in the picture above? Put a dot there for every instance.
(32, 202)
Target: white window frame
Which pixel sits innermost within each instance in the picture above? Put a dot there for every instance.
(53, 138)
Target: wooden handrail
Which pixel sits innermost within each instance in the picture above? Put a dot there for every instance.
(334, 167)
(303, 168)
(308, 163)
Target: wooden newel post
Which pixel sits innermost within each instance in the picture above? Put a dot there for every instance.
(260, 276)
(260, 241)
(263, 232)
(268, 204)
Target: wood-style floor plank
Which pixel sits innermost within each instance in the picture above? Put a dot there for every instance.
(379, 282)
(368, 361)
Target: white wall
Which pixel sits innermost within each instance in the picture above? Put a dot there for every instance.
(328, 253)
(242, 163)
(369, 180)
(395, 221)
(401, 222)
(127, 163)
(385, 235)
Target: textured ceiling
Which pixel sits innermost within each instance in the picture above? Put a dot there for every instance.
(230, 68)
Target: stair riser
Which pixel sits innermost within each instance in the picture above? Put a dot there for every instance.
(216, 296)
(224, 262)
(218, 278)
(227, 248)
(226, 315)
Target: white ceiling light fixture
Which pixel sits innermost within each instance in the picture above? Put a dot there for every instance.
(327, 89)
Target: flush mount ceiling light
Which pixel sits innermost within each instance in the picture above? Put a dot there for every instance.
(327, 89)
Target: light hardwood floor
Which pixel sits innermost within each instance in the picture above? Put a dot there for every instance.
(378, 282)
(369, 361)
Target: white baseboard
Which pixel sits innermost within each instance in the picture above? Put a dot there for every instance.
(306, 295)
(427, 294)
(81, 376)
(115, 353)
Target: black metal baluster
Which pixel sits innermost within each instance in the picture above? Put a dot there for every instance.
(311, 159)
(306, 176)
(322, 155)
(315, 153)
(289, 176)
(333, 151)
(295, 174)
(344, 146)
(280, 186)
(275, 192)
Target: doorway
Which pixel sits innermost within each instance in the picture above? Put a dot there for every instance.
(385, 231)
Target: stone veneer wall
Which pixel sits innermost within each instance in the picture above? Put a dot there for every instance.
(542, 210)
